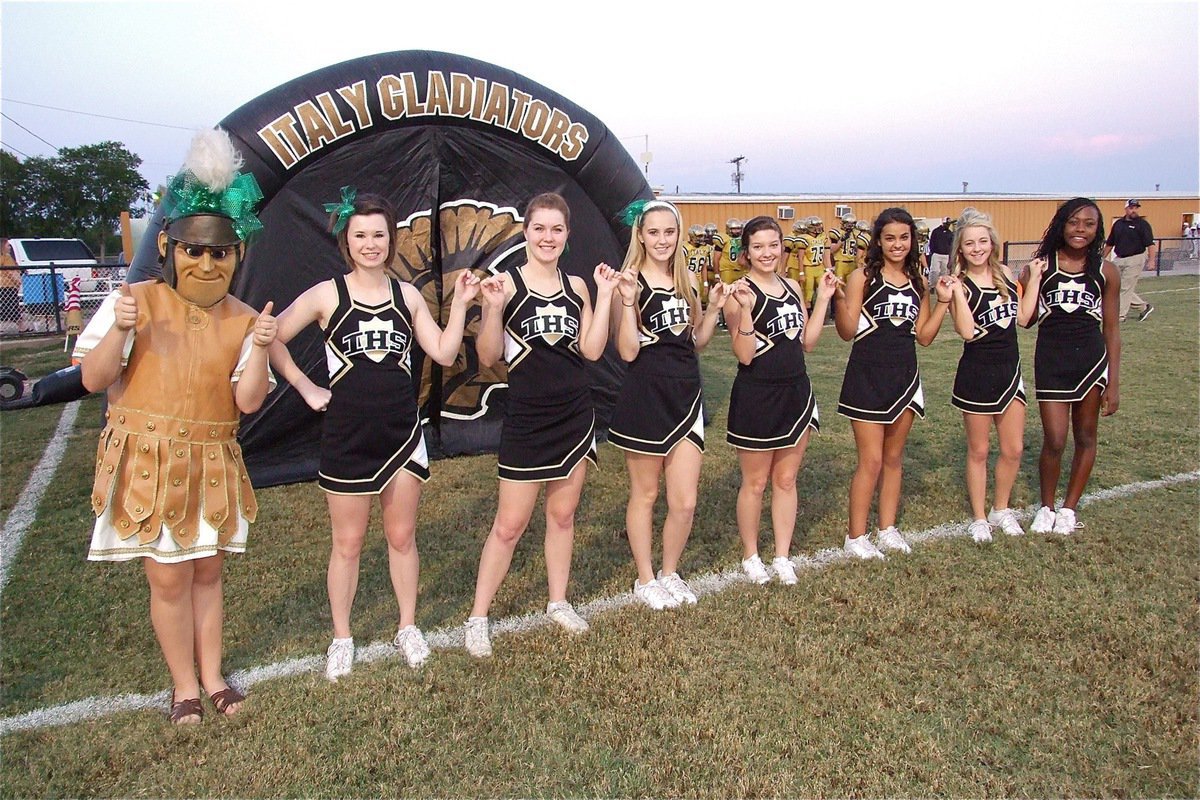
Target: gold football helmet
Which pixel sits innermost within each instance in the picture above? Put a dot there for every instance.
(696, 235)
(922, 231)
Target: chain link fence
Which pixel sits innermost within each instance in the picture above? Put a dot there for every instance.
(36, 301)
(1174, 255)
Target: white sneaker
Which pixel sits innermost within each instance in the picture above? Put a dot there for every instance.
(678, 588)
(755, 570)
(862, 547)
(654, 596)
(339, 658)
(564, 614)
(410, 641)
(1005, 520)
(890, 539)
(1043, 520)
(1064, 522)
(478, 643)
(980, 531)
(784, 570)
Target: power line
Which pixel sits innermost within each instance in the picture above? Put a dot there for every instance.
(101, 116)
(15, 150)
(22, 127)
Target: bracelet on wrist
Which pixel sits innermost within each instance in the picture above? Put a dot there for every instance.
(745, 333)
(628, 305)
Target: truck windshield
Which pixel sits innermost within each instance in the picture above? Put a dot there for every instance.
(55, 251)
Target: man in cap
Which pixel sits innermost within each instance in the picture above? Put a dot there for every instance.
(940, 242)
(1133, 240)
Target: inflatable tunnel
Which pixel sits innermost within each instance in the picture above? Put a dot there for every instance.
(459, 146)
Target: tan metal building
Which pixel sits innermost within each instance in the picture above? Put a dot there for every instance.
(1018, 218)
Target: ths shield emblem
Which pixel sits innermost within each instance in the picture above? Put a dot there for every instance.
(676, 308)
(368, 326)
(787, 313)
(895, 301)
(551, 311)
(1002, 320)
(1072, 288)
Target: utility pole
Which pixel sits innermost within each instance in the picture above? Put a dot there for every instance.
(737, 172)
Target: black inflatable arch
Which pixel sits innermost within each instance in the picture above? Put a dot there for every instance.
(459, 146)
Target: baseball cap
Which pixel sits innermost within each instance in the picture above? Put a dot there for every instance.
(1129, 203)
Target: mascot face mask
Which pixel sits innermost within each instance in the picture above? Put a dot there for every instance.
(200, 255)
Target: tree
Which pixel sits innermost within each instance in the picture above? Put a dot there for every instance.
(80, 192)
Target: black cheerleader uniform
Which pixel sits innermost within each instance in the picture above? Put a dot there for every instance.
(882, 379)
(370, 429)
(771, 404)
(989, 371)
(1071, 356)
(549, 422)
(659, 404)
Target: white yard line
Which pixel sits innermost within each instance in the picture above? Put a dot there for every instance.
(25, 511)
(1168, 291)
(451, 637)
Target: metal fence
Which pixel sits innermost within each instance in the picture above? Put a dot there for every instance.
(1173, 255)
(33, 300)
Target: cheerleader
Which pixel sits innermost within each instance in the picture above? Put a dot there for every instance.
(1076, 363)
(771, 406)
(884, 306)
(988, 388)
(371, 440)
(540, 320)
(658, 418)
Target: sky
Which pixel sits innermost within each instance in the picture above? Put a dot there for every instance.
(844, 97)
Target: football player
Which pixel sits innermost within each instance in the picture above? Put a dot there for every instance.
(847, 243)
(697, 254)
(923, 245)
(726, 250)
(793, 251)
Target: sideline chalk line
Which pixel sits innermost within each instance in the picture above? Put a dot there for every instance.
(451, 637)
(25, 511)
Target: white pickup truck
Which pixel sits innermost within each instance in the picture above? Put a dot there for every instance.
(71, 258)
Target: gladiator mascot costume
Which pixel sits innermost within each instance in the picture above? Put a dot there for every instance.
(170, 482)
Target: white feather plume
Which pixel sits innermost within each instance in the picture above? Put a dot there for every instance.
(213, 159)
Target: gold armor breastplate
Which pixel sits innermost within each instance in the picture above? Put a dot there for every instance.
(169, 450)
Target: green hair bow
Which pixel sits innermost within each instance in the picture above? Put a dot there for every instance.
(344, 209)
(187, 196)
(634, 212)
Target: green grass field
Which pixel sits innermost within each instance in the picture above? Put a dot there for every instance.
(1037, 666)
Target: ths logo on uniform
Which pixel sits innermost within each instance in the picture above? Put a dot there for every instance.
(674, 317)
(788, 321)
(375, 339)
(1071, 296)
(551, 323)
(1000, 312)
(899, 308)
